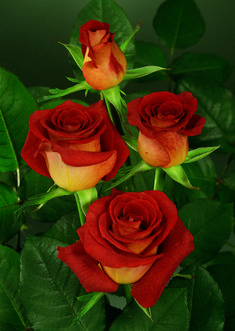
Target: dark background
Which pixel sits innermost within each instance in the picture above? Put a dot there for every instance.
(28, 29)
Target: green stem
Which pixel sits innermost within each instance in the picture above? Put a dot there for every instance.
(129, 297)
(80, 211)
(159, 179)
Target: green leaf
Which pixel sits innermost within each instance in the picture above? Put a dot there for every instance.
(9, 223)
(106, 11)
(209, 66)
(210, 223)
(12, 316)
(178, 174)
(150, 55)
(223, 271)
(178, 23)
(49, 290)
(16, 104)
(217, 105)
(202, 174)
(65, 229)
(229, 180)
(199, 153)
(226, 190)
(168, 314)
(205, 300)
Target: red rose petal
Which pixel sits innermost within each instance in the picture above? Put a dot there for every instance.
(178, 245)
(86, 269)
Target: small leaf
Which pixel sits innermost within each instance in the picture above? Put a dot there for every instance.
(199, 153)
(178, 174)
(210, 223)
(178, 23)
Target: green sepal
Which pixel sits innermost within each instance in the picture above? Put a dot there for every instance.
(141, 72)
(199, 153)
(75, 52)
(84, 199)
(178, 174)
(131, 142)
(125, 44)
(57, 93)
(147, 311)
(127, 172)
(93, 298)
(113, 96)
(73, 80)
(41, 199)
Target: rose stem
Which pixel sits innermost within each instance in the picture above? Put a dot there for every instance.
(159, 179)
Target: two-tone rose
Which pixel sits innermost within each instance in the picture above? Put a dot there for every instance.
(104, 63)
(129, 238)
(76, 146)
(165, 121)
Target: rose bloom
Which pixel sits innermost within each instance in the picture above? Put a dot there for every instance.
(76, 146)
(104, 63)
(129, 238)
(165, 121)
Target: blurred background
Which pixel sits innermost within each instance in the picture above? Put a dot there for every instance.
(28, 29)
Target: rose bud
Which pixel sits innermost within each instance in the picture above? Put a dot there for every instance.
(129, 238)
(76, 146)
(104, 63)
(165, 121)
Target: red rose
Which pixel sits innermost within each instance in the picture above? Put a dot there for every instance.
(104, 63)
(75, 145)
(129, 238)
(165, 121)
